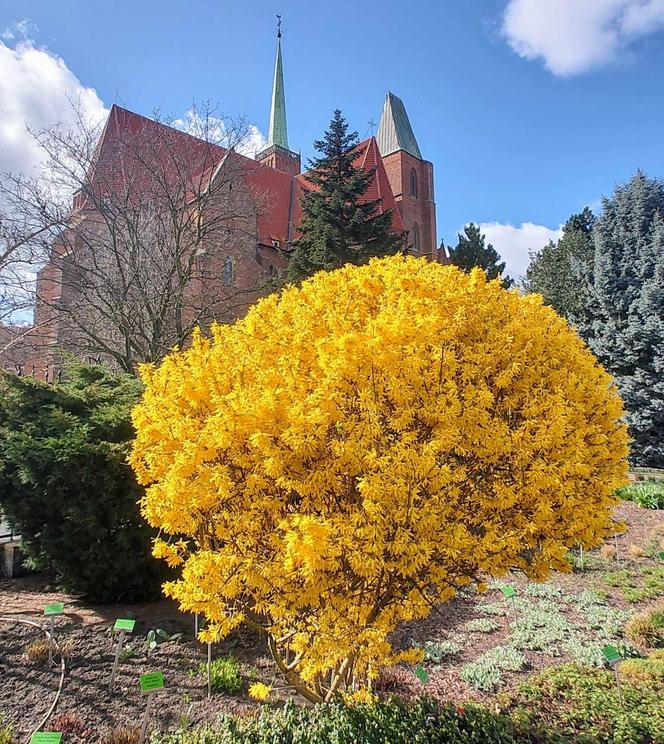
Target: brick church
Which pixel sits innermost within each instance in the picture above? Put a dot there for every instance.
(271, 186)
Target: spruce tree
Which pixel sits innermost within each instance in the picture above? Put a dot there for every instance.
(624, 323)
(472, 250)
(339, 224)
(559, 271)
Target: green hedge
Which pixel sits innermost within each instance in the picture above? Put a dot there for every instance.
(561, 705)
(66, 486)
(389, 721)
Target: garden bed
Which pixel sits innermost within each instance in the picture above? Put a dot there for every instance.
(573, 614)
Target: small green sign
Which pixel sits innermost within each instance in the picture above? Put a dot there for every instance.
(46, 737)
(421, 674)
(152, 681)
(57, 608)
(509, 591)
(661, 555)
(611, 654)
(124, 624)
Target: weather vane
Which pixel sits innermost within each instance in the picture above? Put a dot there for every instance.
(278, 26)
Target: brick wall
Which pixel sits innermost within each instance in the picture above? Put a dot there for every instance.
(407, 174)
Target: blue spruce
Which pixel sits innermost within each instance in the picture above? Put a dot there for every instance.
(624, 320)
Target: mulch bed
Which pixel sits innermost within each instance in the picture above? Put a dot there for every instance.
(27, 689)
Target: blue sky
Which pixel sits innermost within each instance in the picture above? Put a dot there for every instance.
(528, 109)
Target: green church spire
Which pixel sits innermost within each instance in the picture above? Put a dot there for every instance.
(278, 134)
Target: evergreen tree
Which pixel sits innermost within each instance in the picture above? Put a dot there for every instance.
(624, 323)
(66, 486)
(472, 250)
(339, 224)
(559, 272)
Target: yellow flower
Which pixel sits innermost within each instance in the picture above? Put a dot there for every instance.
(259, 691)
(357, 449)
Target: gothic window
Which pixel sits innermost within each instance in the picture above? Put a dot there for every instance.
(415, 238)
(413, 183)
(227, 271)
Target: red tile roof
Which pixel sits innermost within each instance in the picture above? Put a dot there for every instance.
(277, 195)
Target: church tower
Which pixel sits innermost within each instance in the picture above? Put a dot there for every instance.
(410, 176)
(277, 154)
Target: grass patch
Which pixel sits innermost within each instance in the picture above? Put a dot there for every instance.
(225, 675)
(6, 735)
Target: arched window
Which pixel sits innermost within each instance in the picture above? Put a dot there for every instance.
(413, 183)
(227, 271)
(415, 238)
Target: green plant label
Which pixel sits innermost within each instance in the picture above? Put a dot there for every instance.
(611, 654)
(46, 737)
(661, 555)
(152, 681)
(124, 624)
(421, 674)
(57, 608)
(509, 591)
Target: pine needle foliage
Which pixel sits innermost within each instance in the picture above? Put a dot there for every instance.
(340, 224)
(66, 486)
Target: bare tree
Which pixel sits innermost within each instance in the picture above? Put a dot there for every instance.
(151, 248)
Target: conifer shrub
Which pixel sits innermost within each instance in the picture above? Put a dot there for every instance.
(66, 486)
(391, 720)
(358, 449)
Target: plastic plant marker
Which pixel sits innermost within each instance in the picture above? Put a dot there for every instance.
(152, 682)
(661, 555)
(124, 624)
(613, 657)
(509, 591)
(57, 608)
(611, 654)
(46, 737)
(421, 674)
(50, 611)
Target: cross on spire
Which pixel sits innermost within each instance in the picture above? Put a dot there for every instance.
(278, 132)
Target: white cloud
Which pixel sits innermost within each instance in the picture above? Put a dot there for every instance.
(37, 90)
(574, 36)
(247, 139)
(515, 243)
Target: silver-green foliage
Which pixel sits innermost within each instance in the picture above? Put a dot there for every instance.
(436, 651)
(486, 672)
(623, 321)
(481, 625)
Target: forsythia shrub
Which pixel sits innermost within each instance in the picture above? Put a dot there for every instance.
(356, 450)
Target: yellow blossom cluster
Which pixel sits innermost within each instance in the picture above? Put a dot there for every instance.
(260, 691)
(355, 450)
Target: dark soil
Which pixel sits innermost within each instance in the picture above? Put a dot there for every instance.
(27, 688)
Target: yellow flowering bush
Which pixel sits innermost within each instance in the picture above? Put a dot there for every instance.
(260, 691)
(356, 450)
